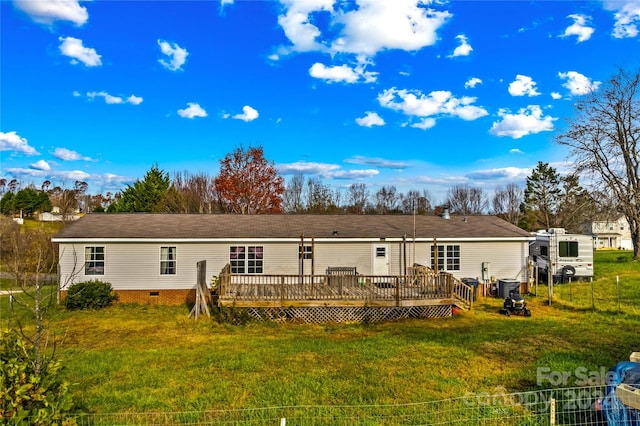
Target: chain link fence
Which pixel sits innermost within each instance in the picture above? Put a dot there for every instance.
(564, 406)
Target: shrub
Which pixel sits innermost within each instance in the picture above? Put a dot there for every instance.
(28, 397)
(90, 295)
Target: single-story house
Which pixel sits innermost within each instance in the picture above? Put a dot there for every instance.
(152, 257)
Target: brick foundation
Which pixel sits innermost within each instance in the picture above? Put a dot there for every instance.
(153, 297)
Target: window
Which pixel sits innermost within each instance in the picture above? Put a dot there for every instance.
(237, 257)
(94, 260)
(568, 248)
(544, 251)
(308, 253)
(254, 262)
(247, 260)
(448, 258)
(167, 260)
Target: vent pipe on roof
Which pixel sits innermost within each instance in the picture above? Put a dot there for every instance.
(445, 213)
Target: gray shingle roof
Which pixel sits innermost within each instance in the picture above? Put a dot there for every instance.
(194, 226)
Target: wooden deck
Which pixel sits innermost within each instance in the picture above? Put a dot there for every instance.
(421, 287)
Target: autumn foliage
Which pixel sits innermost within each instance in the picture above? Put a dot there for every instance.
(248, 183)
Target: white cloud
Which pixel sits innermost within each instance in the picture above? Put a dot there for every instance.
(435, 104)
(337, 74)
(472, 82)
(298, 27)
(579, 28)
(556, 95)
(110, 99)
(515, 151)
(305, 167)
(523, 85)
(371, 27)
(370, 119)
(505, 173)
(424, 124)
(464, 49)
(76, 94)
(248, 114)
(40, 165)
(73, 48)
(192, 110)
(627, 17)
(134, 100)
(577, 83)
(11, 141)
(353, 174)
(69, 155)
(48, 11)
(527, 121)
(342, 73)
(177, 56)
(332, 171)
(377, 162)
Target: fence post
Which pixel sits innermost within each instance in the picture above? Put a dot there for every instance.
(593, 299)
(570, 291)
(618, 291)
(552, 412)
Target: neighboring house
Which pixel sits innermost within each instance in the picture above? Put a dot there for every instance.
(56, 216)
(612, 233)
(153, 256)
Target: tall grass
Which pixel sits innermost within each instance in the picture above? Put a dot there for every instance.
(615, 287)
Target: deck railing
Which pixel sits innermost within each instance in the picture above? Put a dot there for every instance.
(419, 284)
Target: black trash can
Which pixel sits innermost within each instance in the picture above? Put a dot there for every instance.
(472, 282)
(505, 286)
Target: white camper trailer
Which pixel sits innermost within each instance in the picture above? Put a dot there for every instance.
(561, 254)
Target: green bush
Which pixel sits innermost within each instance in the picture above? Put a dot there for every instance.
(28, 397)
(90, 295)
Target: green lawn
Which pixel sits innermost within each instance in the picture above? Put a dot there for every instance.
(132, 358)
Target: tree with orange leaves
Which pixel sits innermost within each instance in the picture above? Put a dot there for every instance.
(248, 183)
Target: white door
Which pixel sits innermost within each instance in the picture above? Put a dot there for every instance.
(381, 259)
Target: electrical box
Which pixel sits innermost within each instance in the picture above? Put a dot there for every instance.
(486, 273)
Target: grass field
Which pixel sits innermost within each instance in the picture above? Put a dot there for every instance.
(132, 358)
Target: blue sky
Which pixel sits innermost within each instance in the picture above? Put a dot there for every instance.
(416, 94)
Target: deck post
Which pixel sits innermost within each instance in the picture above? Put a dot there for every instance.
(282, 287)
(397, 291)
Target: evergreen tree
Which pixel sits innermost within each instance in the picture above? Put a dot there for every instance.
(145, 195)
(542, 197)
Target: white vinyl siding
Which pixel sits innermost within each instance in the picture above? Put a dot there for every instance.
(168, 261)
(134, 266)
(94, 260)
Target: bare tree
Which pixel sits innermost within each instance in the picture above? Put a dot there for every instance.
(604, 143)
(357, 197)
(31, 258)
(292, 197)
(387, 199)
(414, 202)
(506, 202)
(321, 198)
(190, 193)
(465, 199)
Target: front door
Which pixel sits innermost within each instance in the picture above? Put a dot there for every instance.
(381, 259)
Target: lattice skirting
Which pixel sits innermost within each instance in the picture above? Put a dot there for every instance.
(348, 314)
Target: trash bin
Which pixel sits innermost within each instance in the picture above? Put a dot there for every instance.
(505, 286)
(472, 282)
